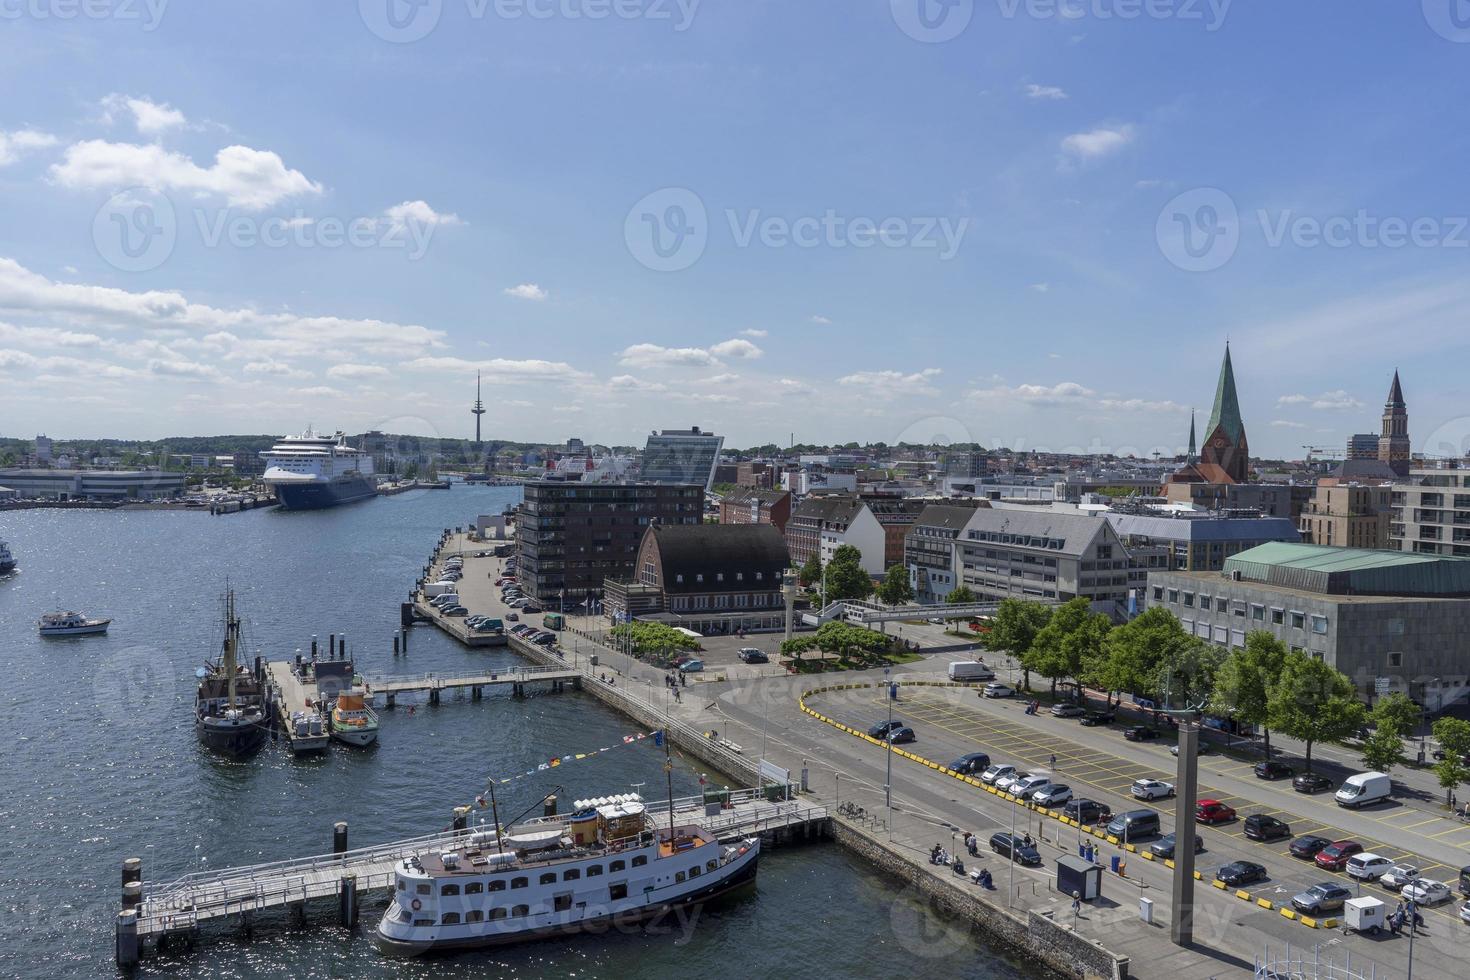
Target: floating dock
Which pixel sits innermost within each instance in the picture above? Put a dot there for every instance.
(289, 693)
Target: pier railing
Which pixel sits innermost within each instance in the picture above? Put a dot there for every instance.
(435, 679)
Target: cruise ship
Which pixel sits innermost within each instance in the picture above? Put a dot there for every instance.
(310, 471)
(603, 866)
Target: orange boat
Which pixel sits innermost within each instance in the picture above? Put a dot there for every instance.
(353, 721)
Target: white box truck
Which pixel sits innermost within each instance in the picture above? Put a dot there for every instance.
(1364, 789)
(970, 670)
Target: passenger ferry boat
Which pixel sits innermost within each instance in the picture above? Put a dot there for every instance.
(605, 865)
(70, 624)
(312, 472)
(353, 721)
(7, 560)
(229, 708)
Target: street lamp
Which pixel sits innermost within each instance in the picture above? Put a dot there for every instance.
(888, 775)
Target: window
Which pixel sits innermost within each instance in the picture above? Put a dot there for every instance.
(562, 902)
(449, 890)
(474, 915)
(549, 878)
(571, 874)
(498, 885)
(1239, 609)
(1174, 595)
(711, 865)
(422, 889)
(402, 884)
(1158, 593)
(1237, 638)
(617, 890)
(497, 914)
(1258, 613)
(1298, 620)
(519, 882)
(1222, 604)
(474, 888)
(520, 911)
(1278, 616)
(1189, 599)
(678, 877)
(694, 871)
(616, 866)
(1395, 659)
(450, 919)
(679, 579)
(1319, 625)
(699, 577)
(594, 871)
(640, 860)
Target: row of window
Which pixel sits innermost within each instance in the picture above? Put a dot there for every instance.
(1256, 611)
(498, 884)
(720, 576)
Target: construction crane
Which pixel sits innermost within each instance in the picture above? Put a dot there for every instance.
(1318, 451)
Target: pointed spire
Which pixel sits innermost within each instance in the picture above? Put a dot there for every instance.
(1396, 393)
(1193, 450)
(1226, 412)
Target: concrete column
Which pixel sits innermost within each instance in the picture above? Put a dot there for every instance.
(132, 895)
(433, 695)
(132, 870)
(390, 700)
(347, 901)
(128, 949)
(1181, 927)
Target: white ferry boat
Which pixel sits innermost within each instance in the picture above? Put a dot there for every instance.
(311, 472)
(7, 560)
(70, 624)
(605, 865)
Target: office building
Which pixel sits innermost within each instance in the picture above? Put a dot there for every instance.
(1200, 541)
(929, 549)
(61, 484)
(681, 457)
(1430, 511)
(1348, 515)
(823, 523)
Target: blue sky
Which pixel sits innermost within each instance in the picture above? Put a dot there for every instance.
(1037, 232)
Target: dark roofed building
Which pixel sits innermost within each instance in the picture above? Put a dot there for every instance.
(748, 505)
(824, 522)
(928, 548)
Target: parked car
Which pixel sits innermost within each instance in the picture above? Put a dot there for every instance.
(1052, 795)
(1151, 789)
(970, 765)
(1398, 876)
(456, 611)
(1465, 913)
(1311, 782)
(1213, 812)
(1134, 825)
(1363, 789)
(693, 667)
(899, 736)
(751, 655)
(530, 608)
(1203, 748)
(997, 690)
(993, 773)
(1068, 710)
(1087, 811)
(1140, 733)
(1273, 770)
(1005, 783)
(1334, 857)
(1237, 874)
(513, 617)
(545, 639)
(1308, 846)
(1013, 847)
(1427, 891)
(1260, 827)
(1368, 867)
(1164, 848)
(1328, 896)
(1093, 719)
(884, 727)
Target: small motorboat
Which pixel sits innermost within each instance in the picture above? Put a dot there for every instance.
(353, 721)
(70, 624)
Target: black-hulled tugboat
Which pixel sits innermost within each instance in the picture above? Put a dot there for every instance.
(229, 710)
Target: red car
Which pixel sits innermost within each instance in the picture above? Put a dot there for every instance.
(1213, 811)
(1334, 857)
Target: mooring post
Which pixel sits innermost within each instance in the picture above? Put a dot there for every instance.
(433, 695)
(132, 870)
(342, 647)
(347, 901)
(313, 646)
(550, 808)
(339, 837)
(475, 693)
(395, 644)
(404, 631)
(132, 895)
(127, 938)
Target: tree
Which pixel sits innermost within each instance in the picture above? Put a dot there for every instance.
(1384, 749)
(1453, 736)
(811, 572)
(1396, 711)
(1072, 637)
(1134, 652)
(959, 594)
(844, 639)
(1314, 702)
(1243, 684)
(1187, 673)
(845, 576)
(1013, 628)
(895, 589)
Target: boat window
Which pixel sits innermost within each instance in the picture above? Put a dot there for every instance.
(520, 911)
(617, 890)
(549, 878)
(617, 866)
(450, 919)
(402, 885)
(474, 888)
(711, 865)
(571, 874)
(694, 871)
(519, 882)
(678, 876)
(474, 915)
(449, 890)
(562, 903)
(497, 914)
(498, 885)
(594, 871)
(640, 860)
(423, 922)
(422, 889)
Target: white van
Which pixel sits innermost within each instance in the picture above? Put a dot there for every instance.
(970, 670)
(1364, 789)
(444, 600)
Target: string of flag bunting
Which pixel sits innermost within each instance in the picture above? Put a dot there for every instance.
(482, 801)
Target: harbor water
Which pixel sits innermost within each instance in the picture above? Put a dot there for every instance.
(101, 761)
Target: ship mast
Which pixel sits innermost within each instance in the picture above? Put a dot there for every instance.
(669, 774)
(495, 815)
(232, 632)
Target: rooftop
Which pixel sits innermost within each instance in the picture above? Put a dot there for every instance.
(1352, 571)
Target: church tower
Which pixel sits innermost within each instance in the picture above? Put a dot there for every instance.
(1225, 443)
(1393, 445)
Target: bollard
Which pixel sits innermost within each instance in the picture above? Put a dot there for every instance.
(127, 938)
(132, 870)
(550, 809)
(395, 644)
(347, 901)
(132, 895)
(331, 645)
(404, 631)
(804, 788)
(339, 837)
(342, 647)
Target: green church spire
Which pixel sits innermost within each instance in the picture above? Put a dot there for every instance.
(1227, 407)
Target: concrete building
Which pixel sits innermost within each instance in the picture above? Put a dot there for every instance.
(825, 522)
(1430, 511)
(43, 450)
(59, 484)
(570, 536)
(1200, 541)
(816, 480)
(929, 549)
(681, 457)
(1051, 556)
(1363, 445)
(1348, 515)
(897, 516)
(1371, 614)
(1271, 499)
(747, 505)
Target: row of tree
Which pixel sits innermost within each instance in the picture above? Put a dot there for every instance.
(851, 645)
(1264, 683)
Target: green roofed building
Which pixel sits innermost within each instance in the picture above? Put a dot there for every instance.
(1390, 620)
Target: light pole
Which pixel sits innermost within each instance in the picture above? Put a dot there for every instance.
(888, 774)
(1011, 888)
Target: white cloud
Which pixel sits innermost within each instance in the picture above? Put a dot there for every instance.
(758, 334)
(1058, 394)
(1139, 405)
(1284, 424)
(44, 337)
(629, 383)
(1098, 143)
(278, 369)
(1040, 287)
(653, 355)
(418, 214)
(317, 391)
(502, 369)
(150, 117)
(191, 370)
(820, 320)
(889, 384)
(16, 359)
(527, 290)
(244, 177)
(1292, 400)
(1045, 93)
(741, 349)
(357, 372)
(1332, 401)
(12, 145)
(718, 379)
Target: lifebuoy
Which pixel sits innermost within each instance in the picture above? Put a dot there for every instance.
(416, 905)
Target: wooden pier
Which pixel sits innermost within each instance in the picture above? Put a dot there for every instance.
(288, 695)
(517, 678)
(153, 914)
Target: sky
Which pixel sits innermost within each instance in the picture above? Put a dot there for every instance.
(1029, 223)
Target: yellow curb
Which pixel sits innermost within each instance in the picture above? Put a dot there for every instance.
(1265, 903)
(1217, 882)
(1309, 922)
(1112, 839)
(1329, 923)
(1130, 848)
(1288, 913)
(1243, 895)
(1148, 855)
(1198, 876)
(1168, 862)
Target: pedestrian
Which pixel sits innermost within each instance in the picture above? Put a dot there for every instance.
(1076, 904)
(1053, 760)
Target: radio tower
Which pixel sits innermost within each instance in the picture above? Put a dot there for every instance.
(479, 408)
